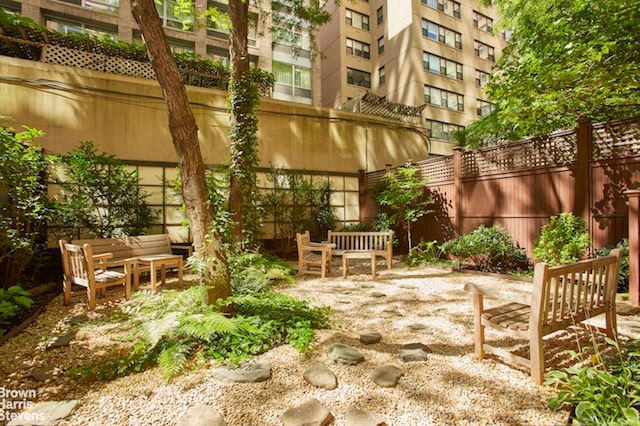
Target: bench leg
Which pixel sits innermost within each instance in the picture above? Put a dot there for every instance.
(345, 266)
(373, 265)
(537, 357)
(478, 327)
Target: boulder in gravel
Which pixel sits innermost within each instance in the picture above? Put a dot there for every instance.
(201, 415)
(59, 341)
(42, 374)
(255, 370)
(320, 376)
(414, 352)
(44, 413)
(342, 354)
(419, 328)
(369, 336)
(358, 417)
(309, 413)
(386, 376)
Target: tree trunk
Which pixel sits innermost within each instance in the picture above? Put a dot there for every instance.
(184, 133)
(243, 143)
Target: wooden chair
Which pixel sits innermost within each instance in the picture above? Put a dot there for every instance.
(82, 268)
(313, 254)
(562, 296)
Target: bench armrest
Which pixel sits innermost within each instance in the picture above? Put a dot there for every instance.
(102, 258)
(515, 297)
(317, 247)
(323, 244)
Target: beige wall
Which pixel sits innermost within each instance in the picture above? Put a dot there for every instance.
(127, 117)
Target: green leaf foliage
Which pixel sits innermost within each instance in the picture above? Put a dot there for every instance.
(488, 249)
(402, 197)
(623, 276)
(24, 204)
(99, 195)
(13, 301)
(604, 391)
(564, 60)
(176, 329)
(563, 240)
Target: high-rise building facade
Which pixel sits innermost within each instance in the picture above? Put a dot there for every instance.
(284, 53)
(413, 52)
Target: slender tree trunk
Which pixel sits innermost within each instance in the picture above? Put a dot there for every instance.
(184, 132)
(243, 144)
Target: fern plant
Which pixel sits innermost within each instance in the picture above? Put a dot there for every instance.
(172, 329)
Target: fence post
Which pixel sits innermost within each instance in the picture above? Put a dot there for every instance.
(634, 246)
(583, 182)
(457, 196)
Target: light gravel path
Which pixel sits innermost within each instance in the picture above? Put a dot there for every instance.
(450, 388)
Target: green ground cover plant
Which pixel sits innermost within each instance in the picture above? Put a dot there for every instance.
(623, 277)
(604, 390)
(176, 330)
(13, 301)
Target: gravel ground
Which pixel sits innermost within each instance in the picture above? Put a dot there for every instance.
(450, 388)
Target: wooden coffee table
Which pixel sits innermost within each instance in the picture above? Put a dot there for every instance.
(358, 255)
(162, 261)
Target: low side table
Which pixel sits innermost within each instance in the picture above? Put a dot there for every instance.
(358, 255)
(162, 261)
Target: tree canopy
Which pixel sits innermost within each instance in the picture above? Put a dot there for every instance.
(565, 59)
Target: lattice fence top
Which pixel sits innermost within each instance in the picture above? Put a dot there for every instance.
(369, 103)
(438, 169)
(616, 139)
(69, 57)
(552, 150)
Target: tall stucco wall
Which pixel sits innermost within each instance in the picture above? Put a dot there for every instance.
(127, 117)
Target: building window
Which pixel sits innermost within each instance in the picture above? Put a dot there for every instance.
(169, 18)
(483, 51)
(484, 108)
(107, 6)
(442, 131)
(70, 27)
(380, 15)
(292, 82)
(441, 34)
(482, 22)
(359, 78)
(438, 65)
(482, 78)
(443, 98)
(380, 45)
(357, 20)
(449, 7)
(382, 75)
(357, 48)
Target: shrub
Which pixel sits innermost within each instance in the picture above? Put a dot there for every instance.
(24, 205)
(425, 253)
(12, 301)
(488, 249)
(564, 239)
(100, 196)
(623, 276)
(604, 393)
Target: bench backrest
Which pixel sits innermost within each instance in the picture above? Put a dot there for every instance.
(568, 294)
(144, 245)
(380, 241)
(115, 246)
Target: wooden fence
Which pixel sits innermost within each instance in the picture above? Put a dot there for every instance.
(591, 171)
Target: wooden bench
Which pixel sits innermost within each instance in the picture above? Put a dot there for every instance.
(380, 243)
(312, 254)
(149, 253)
(562, 296)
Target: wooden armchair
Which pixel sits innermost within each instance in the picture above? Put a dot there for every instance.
(80, 267)
(562, 296)
(313, 254)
